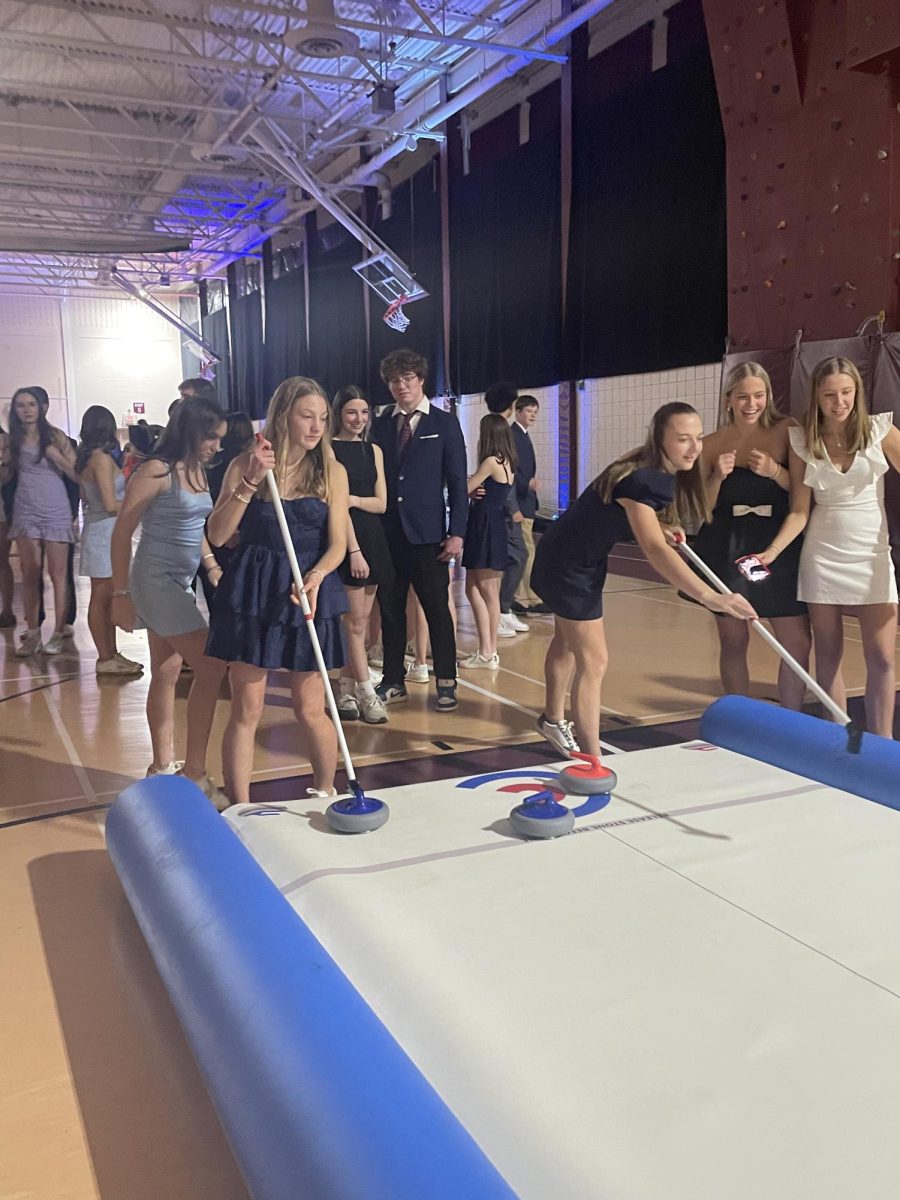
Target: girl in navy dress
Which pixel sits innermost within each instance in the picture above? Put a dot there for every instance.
(254, 624)
(368, 560)
(485, 555)
(658, 484)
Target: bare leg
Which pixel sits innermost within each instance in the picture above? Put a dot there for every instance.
(6, 575)
(248, 696)
(316, 729)
(202, 698)
(480, 612)
(355, 622)
(587, 642)
(559, 666)
(58, 567)
(165, 665)
(734, 639)
(100, 619)
(878, 626)
(828, 641)
(30, 566)
(794, 635)
(487, 584)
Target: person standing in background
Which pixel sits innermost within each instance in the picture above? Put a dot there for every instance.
(500, 399)
(527, 408)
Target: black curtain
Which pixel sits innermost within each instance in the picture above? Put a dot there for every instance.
(337, 328)
(413, 232)
(214, 327)
(647, 265)
(285, 353)
(505, 268)
(247, 347)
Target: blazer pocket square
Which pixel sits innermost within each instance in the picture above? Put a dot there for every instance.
(426, 437)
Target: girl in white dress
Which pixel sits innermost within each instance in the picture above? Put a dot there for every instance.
(839, 457)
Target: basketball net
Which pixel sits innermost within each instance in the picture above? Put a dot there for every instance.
(395, 316)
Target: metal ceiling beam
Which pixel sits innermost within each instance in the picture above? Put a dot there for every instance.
(53, 155)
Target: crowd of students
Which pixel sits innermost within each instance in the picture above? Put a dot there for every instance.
(379, 507)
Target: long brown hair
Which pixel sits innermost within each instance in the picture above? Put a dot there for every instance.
(495, 441)
(749, 370)
(690, 505)
(859, 423)
(48, 435)
(314, 476)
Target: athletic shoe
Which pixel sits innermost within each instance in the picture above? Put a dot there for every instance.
(321, 794)
(7, 620)
(116, 666)
(174, 768)
(511, 621)
(520, 609)
(348, 709)
(416, 673)
(540, 610)
(376, 655)
(136, 667)
(505, 630)
(477, 662)
(372, 710)
(29, 643)
(55, 645)
(559, 733)
(446, 698)
(391, 693)
(67, 631)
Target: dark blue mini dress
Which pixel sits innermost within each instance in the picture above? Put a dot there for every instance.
(485, 546)
(253, 618)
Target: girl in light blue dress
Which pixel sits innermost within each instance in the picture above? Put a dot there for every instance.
(168, 496)
(102, 491)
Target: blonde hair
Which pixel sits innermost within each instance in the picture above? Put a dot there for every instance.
(314, 477)
(859, 423)
(749, 370)
(690, 505)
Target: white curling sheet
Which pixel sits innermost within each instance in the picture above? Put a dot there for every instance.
(696, 996)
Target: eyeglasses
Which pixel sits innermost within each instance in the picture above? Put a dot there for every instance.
(405, 379)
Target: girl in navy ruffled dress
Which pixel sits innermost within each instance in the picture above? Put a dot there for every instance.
(255, 626)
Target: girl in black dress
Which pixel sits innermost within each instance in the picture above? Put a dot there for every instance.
(368, 560)
(744, 466)
(254, 625)
(485, 554)
(658, 484)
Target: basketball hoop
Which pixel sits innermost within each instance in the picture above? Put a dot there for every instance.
(395, 316)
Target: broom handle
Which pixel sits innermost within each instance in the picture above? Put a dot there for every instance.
(835, 709)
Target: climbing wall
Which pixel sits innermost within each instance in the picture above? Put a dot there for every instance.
(810, 98)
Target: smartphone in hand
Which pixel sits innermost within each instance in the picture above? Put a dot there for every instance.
(751, 568)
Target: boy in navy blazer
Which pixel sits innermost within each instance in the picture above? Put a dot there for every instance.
(424, 457)
(526, 494)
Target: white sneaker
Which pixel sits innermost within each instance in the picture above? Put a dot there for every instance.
(68, 631)
(348, 709)
(29, 643)
(321, 794)
(118, 666)
(416, 673)
(174, 768)
(504, 630)
(372, 710)
(559, 733)
(477, 662)
(511, 621)
(55, 645)
(130, 662)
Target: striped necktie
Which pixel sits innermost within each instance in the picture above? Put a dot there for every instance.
(405, 432)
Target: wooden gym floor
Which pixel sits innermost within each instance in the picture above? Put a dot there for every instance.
(100, 1094)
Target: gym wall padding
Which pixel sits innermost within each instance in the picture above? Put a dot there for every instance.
(806, 746)
(316, 1097)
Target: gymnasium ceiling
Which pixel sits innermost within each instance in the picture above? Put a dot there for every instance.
(127, 126)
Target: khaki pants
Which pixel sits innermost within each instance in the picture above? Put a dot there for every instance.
(526, 596)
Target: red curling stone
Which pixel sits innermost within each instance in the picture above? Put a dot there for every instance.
(589, 777)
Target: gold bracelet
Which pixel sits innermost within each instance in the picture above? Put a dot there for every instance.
(236, 495)
(207, 557)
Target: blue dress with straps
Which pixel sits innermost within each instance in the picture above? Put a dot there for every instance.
(253, 618)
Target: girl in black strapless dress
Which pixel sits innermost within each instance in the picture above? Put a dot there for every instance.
(254, 624)
(368, 561)
(747, 483)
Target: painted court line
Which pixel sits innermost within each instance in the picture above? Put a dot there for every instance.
(77, 765)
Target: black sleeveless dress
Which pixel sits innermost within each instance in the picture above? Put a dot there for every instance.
(734, 532)
(358, 460)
